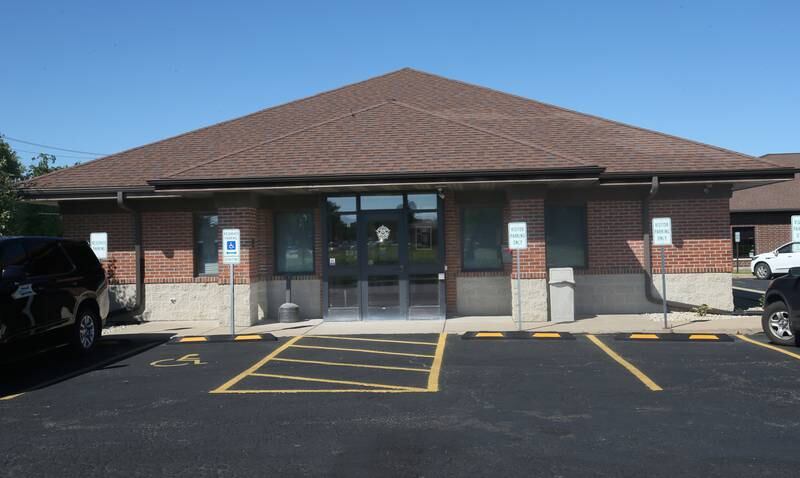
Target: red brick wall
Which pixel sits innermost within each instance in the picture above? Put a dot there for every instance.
(532, 259)
(700, 234)
(614, 230)
(121, 263)
(770, 236)
(168, 242)
(452, 247)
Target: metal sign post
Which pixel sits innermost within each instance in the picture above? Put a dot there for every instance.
(231, 255)
(662, 236)
(518, 240)
(737, 238)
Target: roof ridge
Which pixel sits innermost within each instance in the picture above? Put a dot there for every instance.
(588, 115)
(276, 138)
(231, 120)
(494, 133)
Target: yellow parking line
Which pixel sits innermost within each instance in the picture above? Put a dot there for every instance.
(433, 378)
(338, 390)
(225, 386)
(342, 382)
(344, 364)
(410, 342)
(628, 366)
(11, 397)
(317, 347)
(768, 346)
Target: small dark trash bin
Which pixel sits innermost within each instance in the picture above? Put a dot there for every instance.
(288, 313)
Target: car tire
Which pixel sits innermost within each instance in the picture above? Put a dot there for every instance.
(777, 325)
(763, 271)
(86, 330)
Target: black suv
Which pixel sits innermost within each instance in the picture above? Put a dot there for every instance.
(781, 319)
(50, 288)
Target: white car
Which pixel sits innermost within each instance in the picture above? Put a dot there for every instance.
(779, 261)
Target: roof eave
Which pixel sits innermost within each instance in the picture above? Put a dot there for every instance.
(744, 175)
(580, 172)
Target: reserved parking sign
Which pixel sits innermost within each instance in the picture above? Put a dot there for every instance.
(795, 228)
(231, 246)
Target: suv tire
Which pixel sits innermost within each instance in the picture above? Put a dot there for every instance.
(763, 271)
(86, 331)
(777, 325)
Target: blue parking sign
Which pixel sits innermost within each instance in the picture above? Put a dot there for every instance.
(231, 245)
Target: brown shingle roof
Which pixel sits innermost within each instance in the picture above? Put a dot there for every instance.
(783, 196)
(446, 124)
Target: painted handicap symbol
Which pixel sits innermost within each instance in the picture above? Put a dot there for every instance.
(193, 359)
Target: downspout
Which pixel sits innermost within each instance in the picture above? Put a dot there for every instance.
(648, 262)
(139, 305)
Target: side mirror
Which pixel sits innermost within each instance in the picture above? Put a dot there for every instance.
(794, 272)
(13, 273)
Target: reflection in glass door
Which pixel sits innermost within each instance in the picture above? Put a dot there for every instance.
(382, 265)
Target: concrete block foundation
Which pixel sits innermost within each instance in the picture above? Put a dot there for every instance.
(534, 300)
(483, 296)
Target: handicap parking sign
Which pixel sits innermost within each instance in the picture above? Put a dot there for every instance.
(232, 252)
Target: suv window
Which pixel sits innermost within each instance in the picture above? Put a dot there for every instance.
(790, 248)
(81, 254)
(11, 254)
(46, 258)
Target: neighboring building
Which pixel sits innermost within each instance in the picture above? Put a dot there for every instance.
(389, 198)
(762, 214)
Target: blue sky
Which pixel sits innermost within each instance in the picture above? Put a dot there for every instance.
(106, 76)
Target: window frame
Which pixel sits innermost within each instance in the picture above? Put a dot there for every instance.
(462, 222)
(304, 210)
(583, 205)
(195, 216)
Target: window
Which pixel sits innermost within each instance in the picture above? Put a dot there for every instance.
(790, 248)
(46, 258)
(482, 238)
(11, 253)
(294, 242)
(382, 202)
(746, 247)
(206, 248)
(81, 254)
(565, 231)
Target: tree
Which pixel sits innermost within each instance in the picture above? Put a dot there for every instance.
(18, 217)
(11, 171)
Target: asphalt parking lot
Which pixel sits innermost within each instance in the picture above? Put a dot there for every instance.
(409, 405)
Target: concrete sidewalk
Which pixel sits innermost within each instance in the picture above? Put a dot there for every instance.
(603, 324)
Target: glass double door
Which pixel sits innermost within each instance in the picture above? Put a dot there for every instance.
(397, 272)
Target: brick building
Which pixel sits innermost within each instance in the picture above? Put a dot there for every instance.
(762, 214)
(389, 199)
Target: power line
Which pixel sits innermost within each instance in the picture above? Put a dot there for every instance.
(56, 155)
(53, 147)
